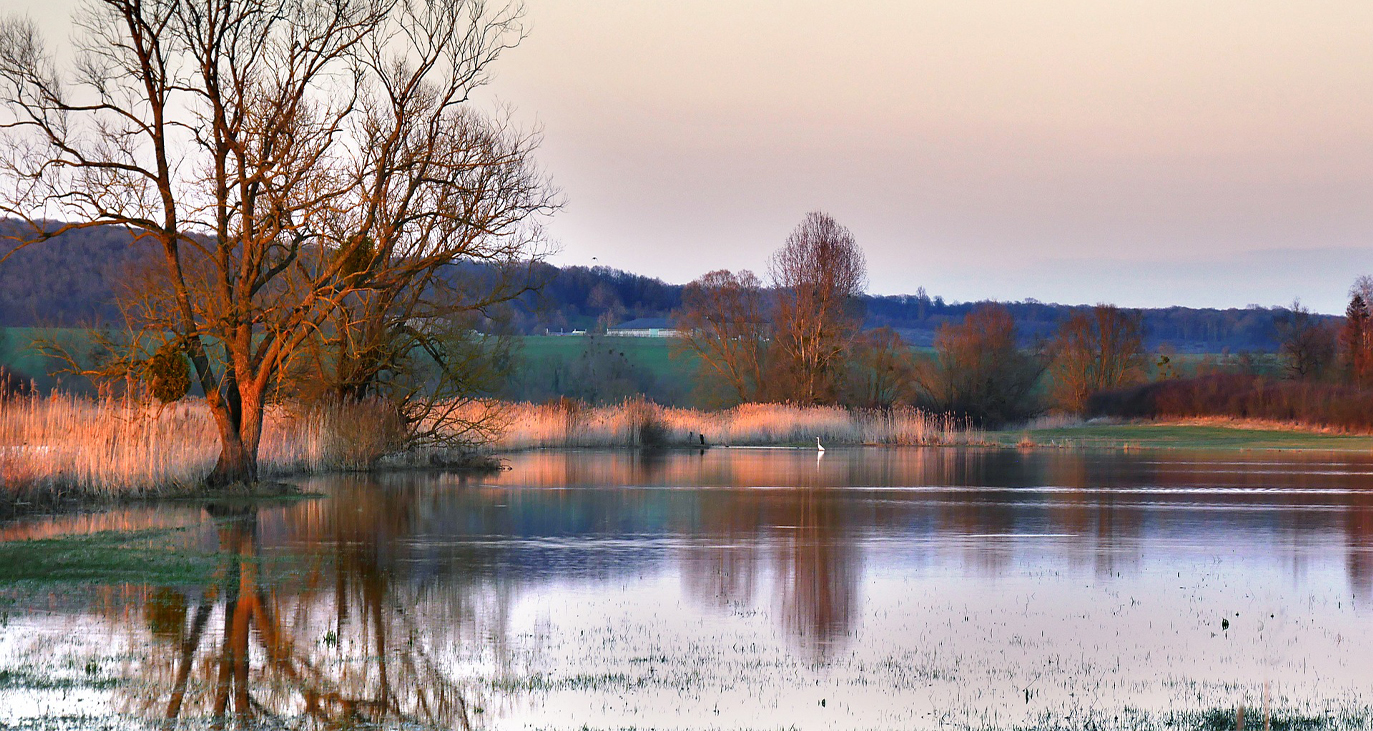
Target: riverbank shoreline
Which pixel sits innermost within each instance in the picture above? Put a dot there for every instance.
(17, 502)
(64, 453)
(1189, 434)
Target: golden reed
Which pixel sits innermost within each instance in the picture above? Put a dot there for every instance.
(64, 448)
(639, 423)
(61, 448)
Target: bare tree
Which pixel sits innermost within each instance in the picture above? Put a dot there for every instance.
(819, 274)
(290, 158)
(979, 371)
(1096, 351)
(881, 370)
(724, 323)
(1307, 345)
(1362, 287)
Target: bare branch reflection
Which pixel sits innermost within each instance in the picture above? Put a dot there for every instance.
(335, 639)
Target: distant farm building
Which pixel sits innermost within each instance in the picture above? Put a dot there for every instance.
(644, 327)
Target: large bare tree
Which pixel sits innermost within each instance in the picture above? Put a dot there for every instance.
(819, 274)
(299, 164)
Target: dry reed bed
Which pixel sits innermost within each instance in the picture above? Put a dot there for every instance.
(62, 448)
(637, 423)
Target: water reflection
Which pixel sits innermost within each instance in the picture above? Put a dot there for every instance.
(394, 598)
(332, 638)
(802, 537)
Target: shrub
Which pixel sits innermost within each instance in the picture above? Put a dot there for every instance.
(649, 431)
(1243, 396)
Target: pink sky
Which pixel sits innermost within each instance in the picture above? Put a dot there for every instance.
(1144, 152)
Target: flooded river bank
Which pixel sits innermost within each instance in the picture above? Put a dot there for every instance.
(868, 588)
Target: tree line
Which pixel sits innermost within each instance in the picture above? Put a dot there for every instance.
(799, 338)
(71, 282)
(1322, 375)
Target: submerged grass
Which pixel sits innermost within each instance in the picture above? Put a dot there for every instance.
(105, 558)
(28, 679)
(1209, 719)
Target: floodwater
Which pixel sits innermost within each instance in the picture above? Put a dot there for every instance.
(868, 588)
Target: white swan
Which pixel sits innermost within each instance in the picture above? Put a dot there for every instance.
(818, 445)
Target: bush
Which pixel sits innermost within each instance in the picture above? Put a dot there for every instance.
(1242, 396)
(650, 432)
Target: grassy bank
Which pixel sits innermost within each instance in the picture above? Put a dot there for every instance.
(1199, 435)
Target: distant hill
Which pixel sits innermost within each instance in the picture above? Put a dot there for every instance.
(68, 282)
(65, 281)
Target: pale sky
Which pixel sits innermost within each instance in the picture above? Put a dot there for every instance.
(1142, 152)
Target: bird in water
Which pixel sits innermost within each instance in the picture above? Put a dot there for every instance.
(818, 445)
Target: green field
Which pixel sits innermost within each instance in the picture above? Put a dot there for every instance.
(18, 354)
(654, 354)
(1182, 436)
(601, 369)
(648, 360)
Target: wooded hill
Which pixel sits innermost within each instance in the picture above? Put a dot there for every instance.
(69, 282)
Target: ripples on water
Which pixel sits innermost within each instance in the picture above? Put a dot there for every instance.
(759, 588)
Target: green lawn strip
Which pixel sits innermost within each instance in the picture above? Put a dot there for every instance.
(107, 557)
(1181, 436)
(653, 354)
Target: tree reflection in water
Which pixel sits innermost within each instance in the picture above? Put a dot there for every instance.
(804, 534)
(817, 574)
(341, 646)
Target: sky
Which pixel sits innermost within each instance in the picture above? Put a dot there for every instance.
(1140, 152)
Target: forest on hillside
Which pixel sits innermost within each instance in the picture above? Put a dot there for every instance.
(70, 282)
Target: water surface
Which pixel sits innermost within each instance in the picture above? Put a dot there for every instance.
(870, 588)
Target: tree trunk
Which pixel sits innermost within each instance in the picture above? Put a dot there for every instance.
(240, 432)
(237, 464)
